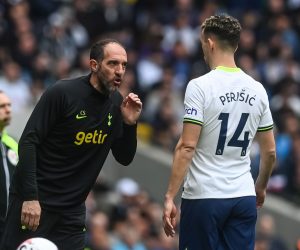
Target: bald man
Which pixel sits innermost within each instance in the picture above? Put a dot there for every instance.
(9, 156)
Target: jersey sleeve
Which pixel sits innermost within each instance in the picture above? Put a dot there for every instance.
(45, 114)
(266, 121)
(193, 104)
(124, 147)
(125, 140)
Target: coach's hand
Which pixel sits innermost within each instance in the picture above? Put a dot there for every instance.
(131, 108)
(30, 214)
(169, 217)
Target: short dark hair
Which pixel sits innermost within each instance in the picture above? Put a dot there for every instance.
(97, 49)
(226, 28)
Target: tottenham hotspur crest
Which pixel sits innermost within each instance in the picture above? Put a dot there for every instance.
(109, 117)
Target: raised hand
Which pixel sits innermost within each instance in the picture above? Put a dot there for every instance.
(131, 108)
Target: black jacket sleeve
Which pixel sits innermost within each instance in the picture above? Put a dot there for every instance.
(124, 148)
(42, 119)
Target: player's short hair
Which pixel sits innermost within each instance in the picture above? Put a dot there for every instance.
(97, 49)
(225, 28)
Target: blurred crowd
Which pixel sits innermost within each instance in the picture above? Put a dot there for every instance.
(122, 216)
(43, 41)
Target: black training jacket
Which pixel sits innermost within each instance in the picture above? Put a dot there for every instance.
(66, 141)
(8, 162)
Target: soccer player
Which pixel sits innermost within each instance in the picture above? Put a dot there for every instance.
(8, 156)
(224, 110)
(63, 147)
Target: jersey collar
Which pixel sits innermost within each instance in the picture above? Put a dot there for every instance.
(228, 69)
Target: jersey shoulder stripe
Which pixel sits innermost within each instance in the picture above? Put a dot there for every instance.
(266, 128)
(189, 120)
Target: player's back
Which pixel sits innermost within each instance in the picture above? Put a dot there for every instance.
(231, 107)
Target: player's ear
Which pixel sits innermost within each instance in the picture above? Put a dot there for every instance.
(94, 65)
(211, 43)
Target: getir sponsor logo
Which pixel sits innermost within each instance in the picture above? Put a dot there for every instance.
(96, 137)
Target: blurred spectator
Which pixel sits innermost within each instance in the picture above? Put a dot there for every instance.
(149, 71)
(12, 83)
(181, 66)
(62, 68)
(282, 181)
(25, 51)
(246, 63)
(82, 66)
(127, 188)
(279, 180)
(166, 129)
(166, 243)
(287, 97)
(128, 239)
(267, 239)
(58, 41)
(9, 156)
(113, 15)
(87, 13)
(129, 83)
(161, 90)
(293, 192)
(99, 237)
(180, 31)
(41, 76)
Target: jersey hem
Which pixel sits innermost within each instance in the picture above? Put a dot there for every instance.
(221, 196)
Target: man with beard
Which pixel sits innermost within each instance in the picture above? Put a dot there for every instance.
(63, 148)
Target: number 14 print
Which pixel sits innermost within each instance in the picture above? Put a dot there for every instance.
(234, 141)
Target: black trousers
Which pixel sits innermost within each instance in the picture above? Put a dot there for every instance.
(66, 229)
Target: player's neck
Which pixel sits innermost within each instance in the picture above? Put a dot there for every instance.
(225, 60)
